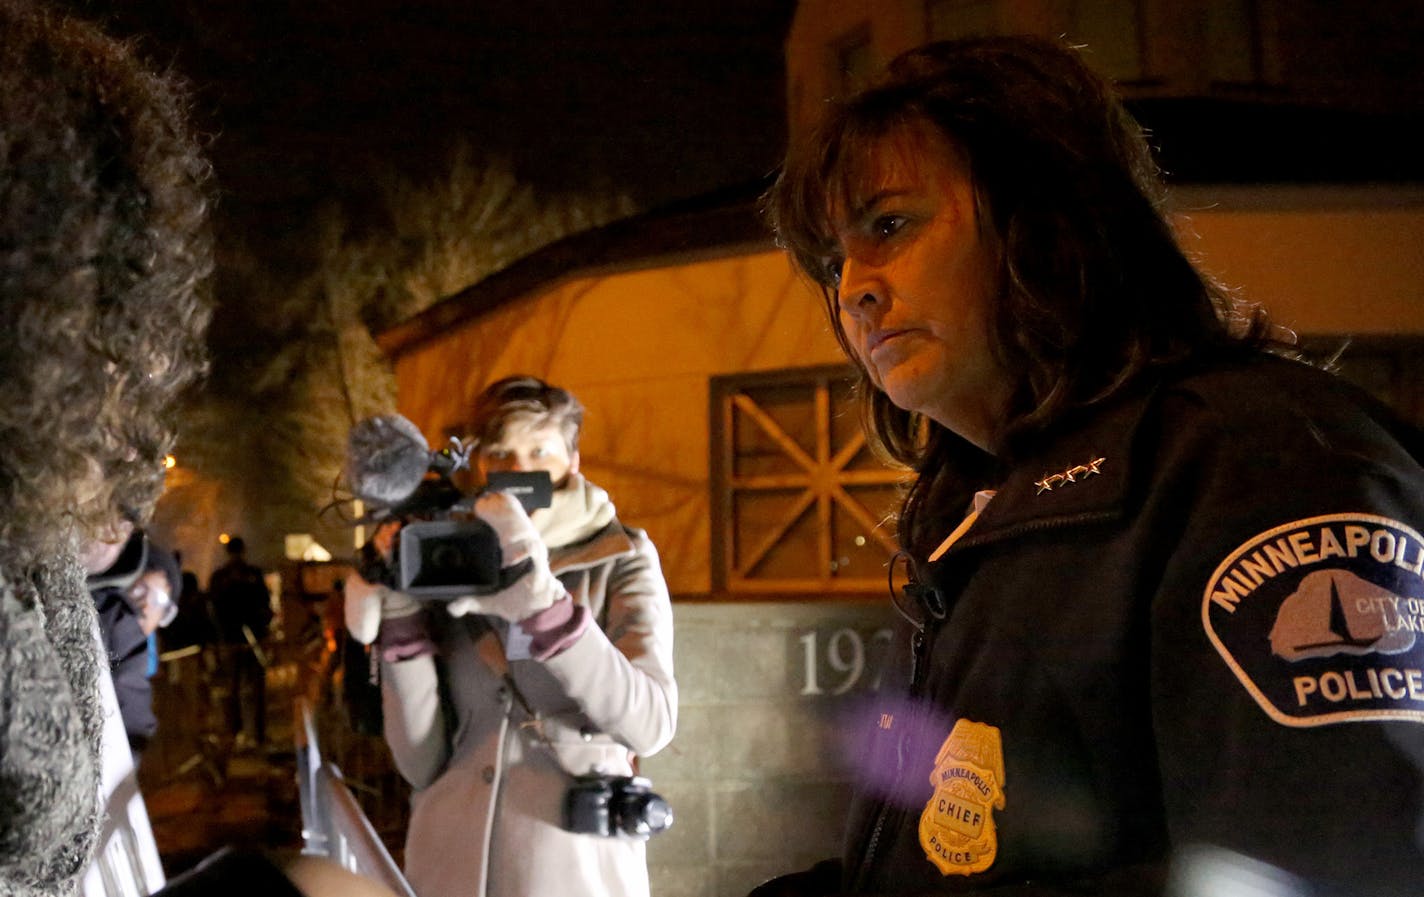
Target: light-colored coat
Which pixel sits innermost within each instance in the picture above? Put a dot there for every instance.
(486, 816)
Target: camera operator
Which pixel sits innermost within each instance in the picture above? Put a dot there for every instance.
(495, 703)
(132, 583)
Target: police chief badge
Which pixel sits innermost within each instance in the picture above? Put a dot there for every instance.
(957, 827)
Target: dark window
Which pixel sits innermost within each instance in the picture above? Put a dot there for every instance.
(1235, 52)
(1111, 34)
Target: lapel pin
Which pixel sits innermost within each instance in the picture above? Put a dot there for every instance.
(1071, 475)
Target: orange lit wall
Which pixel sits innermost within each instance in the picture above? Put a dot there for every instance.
(637, 348)
(1323, 260)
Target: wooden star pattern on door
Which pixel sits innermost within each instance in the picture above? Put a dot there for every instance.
(800, 505)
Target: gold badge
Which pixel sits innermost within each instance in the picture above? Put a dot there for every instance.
(957, 827)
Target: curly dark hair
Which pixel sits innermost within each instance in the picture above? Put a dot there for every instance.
(104, 254)
(1094, 288)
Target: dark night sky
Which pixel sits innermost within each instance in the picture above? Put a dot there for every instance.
(660, 100)
(307, 100)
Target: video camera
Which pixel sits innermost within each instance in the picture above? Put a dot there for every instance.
(443, 551)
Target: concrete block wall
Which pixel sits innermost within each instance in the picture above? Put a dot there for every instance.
(755, 774)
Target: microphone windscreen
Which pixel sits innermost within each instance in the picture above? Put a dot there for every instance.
(386, 459)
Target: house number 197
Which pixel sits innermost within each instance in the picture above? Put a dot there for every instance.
(848, 654)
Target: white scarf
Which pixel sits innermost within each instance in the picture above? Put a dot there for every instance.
(578, 510)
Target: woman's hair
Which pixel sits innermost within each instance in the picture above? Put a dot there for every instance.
(528, 400)
(104, 250)
(1093, 287)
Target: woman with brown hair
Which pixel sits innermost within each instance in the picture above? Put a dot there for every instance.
(1154, 633)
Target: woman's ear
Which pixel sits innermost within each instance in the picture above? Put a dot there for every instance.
(574, 462)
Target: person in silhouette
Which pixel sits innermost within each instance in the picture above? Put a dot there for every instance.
(242, 607)
(1104, 680)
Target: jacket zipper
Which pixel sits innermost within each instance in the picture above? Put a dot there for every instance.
(919, 655)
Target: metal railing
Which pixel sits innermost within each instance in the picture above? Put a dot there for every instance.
(333, 824)
(126, 863)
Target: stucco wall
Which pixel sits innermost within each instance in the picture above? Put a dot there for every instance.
(758, 775)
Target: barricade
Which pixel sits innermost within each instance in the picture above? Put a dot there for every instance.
(333, 824)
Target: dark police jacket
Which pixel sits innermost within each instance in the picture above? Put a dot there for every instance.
(1186, 638)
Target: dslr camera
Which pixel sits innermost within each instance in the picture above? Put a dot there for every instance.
(615, 807)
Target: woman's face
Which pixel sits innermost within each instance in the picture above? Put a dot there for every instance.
(918, 282)
(523, 447)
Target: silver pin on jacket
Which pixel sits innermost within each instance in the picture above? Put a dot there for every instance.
(1071, 475)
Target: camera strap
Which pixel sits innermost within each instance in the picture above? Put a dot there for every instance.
(534, 723)
(490, 650)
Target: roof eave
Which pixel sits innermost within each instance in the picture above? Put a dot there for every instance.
(706, 228)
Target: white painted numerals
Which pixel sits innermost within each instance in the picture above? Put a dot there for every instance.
(846, 655)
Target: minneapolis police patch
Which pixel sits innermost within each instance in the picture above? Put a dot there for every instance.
(1322, 619)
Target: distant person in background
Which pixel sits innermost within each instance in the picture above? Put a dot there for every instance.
(193, 624)
(191, 590)
(132, 595)
(104, 247)
(242, 607)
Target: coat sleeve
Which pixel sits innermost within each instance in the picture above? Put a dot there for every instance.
(414, 719)
(127, 650)
(1286, 693)
(621, 675)
(49, 770)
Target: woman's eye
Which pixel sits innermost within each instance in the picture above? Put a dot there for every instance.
(831, 271)
(887, 225)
